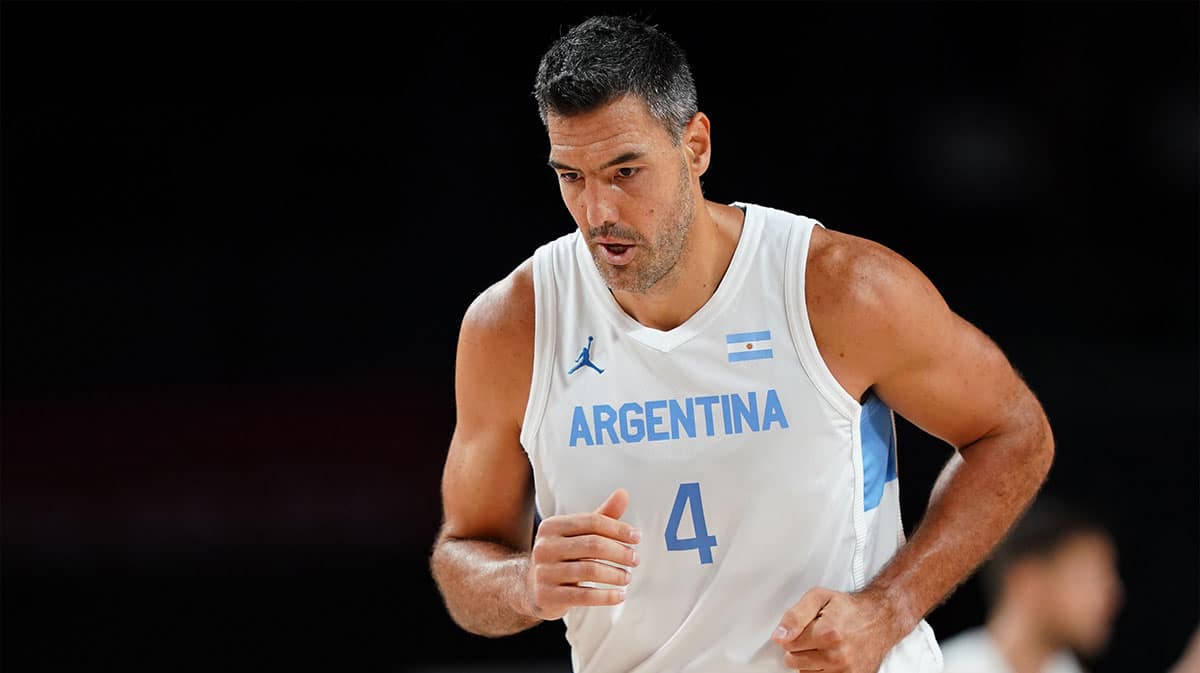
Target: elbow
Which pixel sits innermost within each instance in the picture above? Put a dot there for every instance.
(460, 594)
(463, 619)
(442, 570)
(1040, 445)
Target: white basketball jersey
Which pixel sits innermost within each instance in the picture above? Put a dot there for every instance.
(752, 474)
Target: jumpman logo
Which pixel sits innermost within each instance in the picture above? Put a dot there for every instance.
(585, 359)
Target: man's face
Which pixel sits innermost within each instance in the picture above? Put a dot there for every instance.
(629, 188)
(1083, 592)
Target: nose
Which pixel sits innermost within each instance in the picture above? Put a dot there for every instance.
(599, 200)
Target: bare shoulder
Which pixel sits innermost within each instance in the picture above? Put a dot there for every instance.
(881, 325)
(495, 346)
(505, 309)
(851, 274)
(864, 300)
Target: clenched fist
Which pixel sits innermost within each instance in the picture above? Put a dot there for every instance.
(837, 632)
(574, 548)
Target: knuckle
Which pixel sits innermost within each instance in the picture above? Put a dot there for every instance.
(594, 545)
(541, 551)
(572, 597)
(604, 573)
(595, 572)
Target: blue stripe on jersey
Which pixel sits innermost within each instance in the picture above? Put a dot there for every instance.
(751, 355)
(878, 450)
(741, 337)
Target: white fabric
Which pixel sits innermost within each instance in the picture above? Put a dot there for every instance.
(974, 651)
(784, 504)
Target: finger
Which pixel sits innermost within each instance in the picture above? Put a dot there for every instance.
(593, 547)
(804, 660)
(822, 634)
(590, 523)
(585, 596)
(800, 616)
(583, 571)
(615, 506)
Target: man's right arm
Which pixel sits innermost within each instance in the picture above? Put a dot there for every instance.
(494, 580)
(481, 555)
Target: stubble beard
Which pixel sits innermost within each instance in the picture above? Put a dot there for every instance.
(656, 261)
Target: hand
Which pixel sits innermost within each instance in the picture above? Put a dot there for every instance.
(837, 633)
(570, 548)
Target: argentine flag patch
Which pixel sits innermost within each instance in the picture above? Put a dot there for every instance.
(749, 346)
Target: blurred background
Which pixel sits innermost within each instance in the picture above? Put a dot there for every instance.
(238, 239)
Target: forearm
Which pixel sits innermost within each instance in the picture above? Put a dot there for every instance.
(967, 516)
(483, 584)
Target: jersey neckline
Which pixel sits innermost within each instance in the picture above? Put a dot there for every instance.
(668, 340)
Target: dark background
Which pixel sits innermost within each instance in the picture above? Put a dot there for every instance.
(238, 240)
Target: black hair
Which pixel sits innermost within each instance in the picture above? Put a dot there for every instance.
(1044, 528)
(606, 57)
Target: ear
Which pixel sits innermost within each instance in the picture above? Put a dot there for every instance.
(697, 143)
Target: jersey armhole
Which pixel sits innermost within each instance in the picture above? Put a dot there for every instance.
(795, 266)
(543, 344)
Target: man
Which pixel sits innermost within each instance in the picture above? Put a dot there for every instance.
(723, 496)
(1053, 588)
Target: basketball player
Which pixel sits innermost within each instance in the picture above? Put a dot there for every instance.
(717, 481)
(1053, 589)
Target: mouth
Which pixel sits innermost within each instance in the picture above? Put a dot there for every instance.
(617, 254)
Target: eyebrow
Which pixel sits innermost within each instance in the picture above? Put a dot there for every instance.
(624, 158)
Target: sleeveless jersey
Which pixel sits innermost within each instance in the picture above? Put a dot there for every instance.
(752, 474)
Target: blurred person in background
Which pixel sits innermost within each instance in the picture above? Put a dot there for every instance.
(1189, 661)
(1053, 591)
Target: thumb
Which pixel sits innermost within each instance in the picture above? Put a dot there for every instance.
(801, 615)
(615, 506)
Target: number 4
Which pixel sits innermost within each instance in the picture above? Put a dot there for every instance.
(690, 492)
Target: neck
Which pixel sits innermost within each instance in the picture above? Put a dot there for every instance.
(1020, 638)
(712, 241)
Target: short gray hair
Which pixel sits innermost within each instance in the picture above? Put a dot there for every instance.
(606, 57)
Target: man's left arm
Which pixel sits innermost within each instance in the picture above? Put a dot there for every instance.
(949, 379)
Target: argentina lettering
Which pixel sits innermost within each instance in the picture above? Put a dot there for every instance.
(660, 420)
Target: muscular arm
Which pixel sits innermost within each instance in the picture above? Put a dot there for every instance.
(494, 579)
(883, 326)
(481, 556)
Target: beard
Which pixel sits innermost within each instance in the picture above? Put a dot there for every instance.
(656, 258)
